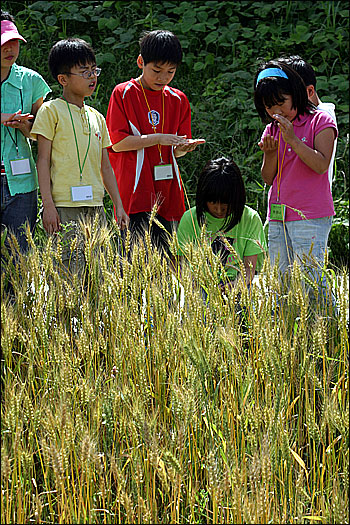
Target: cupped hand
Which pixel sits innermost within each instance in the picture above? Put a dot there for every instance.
(167, 139)
(190, 145)
(268, 144)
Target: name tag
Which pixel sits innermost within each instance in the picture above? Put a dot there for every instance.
(81, 193)
(20, 166)
(163, 172)
(277, 212)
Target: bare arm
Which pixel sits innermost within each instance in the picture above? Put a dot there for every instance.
(51, 220)
(110, 183)
(317, 157)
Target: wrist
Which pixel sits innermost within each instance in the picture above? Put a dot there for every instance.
(294, 143)
(48, 204)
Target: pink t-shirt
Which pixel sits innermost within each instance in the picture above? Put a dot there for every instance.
(301, 187)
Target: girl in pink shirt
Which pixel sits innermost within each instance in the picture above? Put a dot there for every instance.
(297, 144)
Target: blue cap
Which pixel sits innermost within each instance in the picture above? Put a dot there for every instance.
(270, 72)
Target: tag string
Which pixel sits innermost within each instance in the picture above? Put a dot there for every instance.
(153, 124)
(81, 167)
(279, 167)
(15, 140)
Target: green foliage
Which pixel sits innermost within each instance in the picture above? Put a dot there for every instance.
(222, 43)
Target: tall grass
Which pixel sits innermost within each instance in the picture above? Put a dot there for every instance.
(127, 398)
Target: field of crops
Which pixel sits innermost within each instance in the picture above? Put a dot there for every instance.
(128, 398)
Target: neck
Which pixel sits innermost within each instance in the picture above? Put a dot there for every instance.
(5, 71)
(72, 98)
(315, 99)
(141, 81)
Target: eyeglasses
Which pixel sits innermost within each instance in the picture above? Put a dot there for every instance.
(88, 74)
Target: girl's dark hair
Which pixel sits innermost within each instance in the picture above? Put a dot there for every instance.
(68, 53)
(303, 68)
(272, 90)
(5, 15)
(160, 46)
(221, 181)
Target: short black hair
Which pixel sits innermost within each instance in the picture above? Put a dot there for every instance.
(160, 46)
(272, 90)
(221, 181)
(68, 53)
(303, 68)
(5, 15)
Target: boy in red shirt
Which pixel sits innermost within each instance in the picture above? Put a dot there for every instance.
(150, 127)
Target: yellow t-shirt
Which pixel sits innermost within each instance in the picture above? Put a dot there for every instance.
(53, 122)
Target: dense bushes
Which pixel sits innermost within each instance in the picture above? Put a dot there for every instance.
(222, 44)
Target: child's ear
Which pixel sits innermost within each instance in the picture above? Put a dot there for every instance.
(62, 79)
(310, 91)
(140, 62)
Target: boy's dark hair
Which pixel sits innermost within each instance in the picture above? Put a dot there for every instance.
(302, 67)
(221, 181)
(68, 53)
(5, 15)
(272, 90)
(160, 46)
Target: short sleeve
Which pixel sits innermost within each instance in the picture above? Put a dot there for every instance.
(40, 88)
(186, 231)
(45, 122)
(106, 140)
(117, 122)
(256, 241)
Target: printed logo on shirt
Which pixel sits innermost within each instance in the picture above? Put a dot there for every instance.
(153, 117)
(98, 135)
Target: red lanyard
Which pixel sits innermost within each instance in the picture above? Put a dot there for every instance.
(150, 113)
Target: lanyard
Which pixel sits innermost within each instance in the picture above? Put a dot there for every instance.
(81, 167)
(153, 124)
(279, 168)
(14, 140)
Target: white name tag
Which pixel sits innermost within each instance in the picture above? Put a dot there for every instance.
(20, 166)
(163, 172)
(81, 193)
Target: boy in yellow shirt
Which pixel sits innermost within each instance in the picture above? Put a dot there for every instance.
(73, 164)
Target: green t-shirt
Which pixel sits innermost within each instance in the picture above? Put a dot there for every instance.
(247, 237)
(22, 88)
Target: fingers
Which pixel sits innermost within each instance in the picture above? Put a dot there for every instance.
(268, 143)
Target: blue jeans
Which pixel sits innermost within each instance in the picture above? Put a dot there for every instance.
(16, 210)
(304, 241)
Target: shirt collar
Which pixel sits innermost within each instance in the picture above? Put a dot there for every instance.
(15, 77)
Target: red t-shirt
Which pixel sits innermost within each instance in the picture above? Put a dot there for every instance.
(128, 114)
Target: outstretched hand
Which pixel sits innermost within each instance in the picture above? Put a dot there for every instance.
(268, 144)
(7, 118)
(189, 145)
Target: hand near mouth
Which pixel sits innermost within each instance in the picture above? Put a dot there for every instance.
(286, 128)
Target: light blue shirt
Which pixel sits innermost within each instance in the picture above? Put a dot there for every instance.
(22, 88)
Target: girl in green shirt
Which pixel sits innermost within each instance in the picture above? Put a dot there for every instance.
(220, 205)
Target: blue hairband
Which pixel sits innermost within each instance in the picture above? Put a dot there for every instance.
(270, 72)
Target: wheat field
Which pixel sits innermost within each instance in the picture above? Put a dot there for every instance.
(128, 398)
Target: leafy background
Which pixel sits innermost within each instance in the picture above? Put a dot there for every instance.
(222, 43)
